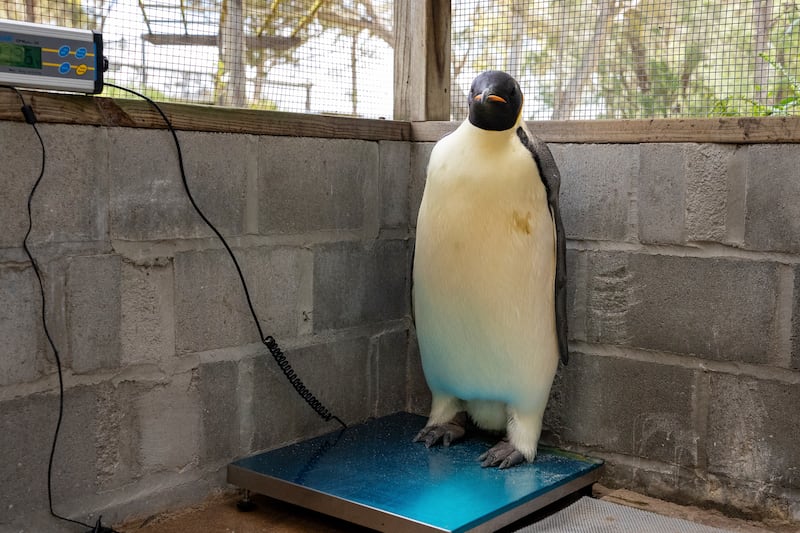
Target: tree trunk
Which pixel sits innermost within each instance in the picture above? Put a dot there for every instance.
(515, 39)
(591, 54)
(762, 13)
(232, 53)
(354, 74)
(30, 11)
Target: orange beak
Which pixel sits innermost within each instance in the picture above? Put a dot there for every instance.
(490, 98)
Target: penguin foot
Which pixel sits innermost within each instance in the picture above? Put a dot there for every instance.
(447, 433)
(502, 455)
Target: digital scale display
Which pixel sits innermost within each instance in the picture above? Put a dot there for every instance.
(51, 57)
(20, 55)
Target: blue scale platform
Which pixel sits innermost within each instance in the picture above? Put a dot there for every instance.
(374, 475)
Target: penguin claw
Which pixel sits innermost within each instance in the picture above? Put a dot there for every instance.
(502, 455)
(447, 433)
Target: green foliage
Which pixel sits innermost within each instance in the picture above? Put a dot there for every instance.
(601, 58)
(655, 67)
(113, 92)
(653, 58)
(787, 105)
(69, 13)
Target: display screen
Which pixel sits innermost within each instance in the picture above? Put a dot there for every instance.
(19, 55)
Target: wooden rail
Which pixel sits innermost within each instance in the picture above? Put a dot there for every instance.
(99, 111)
(700, 130)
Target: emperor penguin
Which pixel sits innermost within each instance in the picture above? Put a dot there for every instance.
(489, 276)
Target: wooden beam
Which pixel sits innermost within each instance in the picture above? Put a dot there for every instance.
(252, 42)
(422, 60)
(113, 112)
(744, 130)
(99, 111)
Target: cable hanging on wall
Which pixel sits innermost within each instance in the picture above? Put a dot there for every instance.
(268, 341)
(30, 118)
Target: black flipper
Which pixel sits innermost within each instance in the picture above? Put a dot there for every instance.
(552, 182)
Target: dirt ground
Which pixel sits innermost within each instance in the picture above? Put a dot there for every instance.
(219, 514)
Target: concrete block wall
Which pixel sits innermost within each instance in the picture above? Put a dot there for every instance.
(683, 285)
(166, 380)
(683, 289)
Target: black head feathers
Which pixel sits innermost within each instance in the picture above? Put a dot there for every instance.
(495, 101)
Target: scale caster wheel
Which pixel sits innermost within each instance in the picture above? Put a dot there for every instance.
(246, 505)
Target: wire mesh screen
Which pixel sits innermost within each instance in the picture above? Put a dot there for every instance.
(309, 56)
(575, 59)
(586, 59)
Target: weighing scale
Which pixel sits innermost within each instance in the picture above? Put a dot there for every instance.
(51, 57)
(374, 475)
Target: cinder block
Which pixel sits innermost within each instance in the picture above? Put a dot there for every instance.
(773, 198)
(596, 184)
(148, 200)
(336, 373)
(117, 441)
(210, 306)
(420, 155)
(625, 406)
(752, 430)
(218, 166)
(93, 312)
(554, 419)
(21, 156)
(707, 168)
(714, 308)
(20, 326)
(310, 184)
(609, 297)
(26, 434)
(354, 284)
(732, 496)
(671, 482)
(736, 201)
(576, 295)
(418, 394)
(69, 204)
(389, 354)
(795, 333)
(169, 420)
(218, 386)
(395, 171)
(147, 331)
(661, 193)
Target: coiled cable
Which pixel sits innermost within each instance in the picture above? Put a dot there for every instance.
(269, 341)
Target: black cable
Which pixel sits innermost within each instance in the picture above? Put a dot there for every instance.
(30, 118)
(268, 341)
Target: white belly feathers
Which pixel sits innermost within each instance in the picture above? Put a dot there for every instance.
(484, 270)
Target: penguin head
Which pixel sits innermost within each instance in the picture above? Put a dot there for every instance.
(495, 101)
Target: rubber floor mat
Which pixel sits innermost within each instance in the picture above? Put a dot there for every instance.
(589, 515)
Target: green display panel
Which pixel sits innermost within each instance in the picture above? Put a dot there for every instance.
(19, 55)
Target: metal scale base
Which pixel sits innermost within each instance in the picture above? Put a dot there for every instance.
(374, 475)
